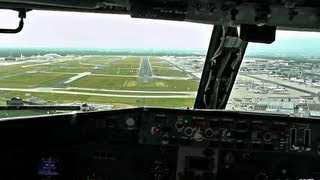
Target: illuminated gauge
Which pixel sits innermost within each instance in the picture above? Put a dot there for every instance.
(188, 131)
(48, 167)
(155, 130)
(258, 126)
(198, 122)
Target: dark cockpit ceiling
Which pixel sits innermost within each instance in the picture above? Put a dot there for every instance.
(301, 15)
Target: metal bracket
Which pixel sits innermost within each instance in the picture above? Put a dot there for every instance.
(22, 15)
(292, 3)
(222, 63)
(262, 14)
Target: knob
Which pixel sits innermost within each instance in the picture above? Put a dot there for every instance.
(229, 160)
(254, 136)
(227, 133)
(267, 136)
(179, 125)
(155, 130)
(209, 132)
(165, 139)
(198, 136)
(188, 131)
(130, 122)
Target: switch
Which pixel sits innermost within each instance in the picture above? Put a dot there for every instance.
(155, 130)
(130, 122)
(198, 136)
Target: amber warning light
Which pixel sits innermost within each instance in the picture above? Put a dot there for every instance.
(198, 122)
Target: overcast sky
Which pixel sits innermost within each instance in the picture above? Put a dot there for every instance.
(65, 29)
(106, 31)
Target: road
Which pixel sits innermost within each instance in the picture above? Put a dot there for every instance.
(284, 85)
(64, 82)
(172, 78)
(79, 76)
(52, 90)
(125, 91)
(145, 73)
(183, 70)
(108, 63)
(145, 69)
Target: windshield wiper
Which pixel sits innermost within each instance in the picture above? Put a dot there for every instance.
(221, 67)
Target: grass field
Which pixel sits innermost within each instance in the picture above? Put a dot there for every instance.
(48, 64)
(72, 69)
(64, 98)
(125, 93)
(15, 113)
(98, 58)
(168, 72)
(32, 80)
(160, 64)
(125, 83)
(14, 70)
(109, 73)
(155, 61)
(127, 66)
(114, 70)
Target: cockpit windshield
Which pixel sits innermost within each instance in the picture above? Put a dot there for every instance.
(283, 77)
(100, 62)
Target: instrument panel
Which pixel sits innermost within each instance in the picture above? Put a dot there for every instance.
(229, 130)
(156, 143)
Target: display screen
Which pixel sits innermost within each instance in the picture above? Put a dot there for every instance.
(48, 167)
(199, 163)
